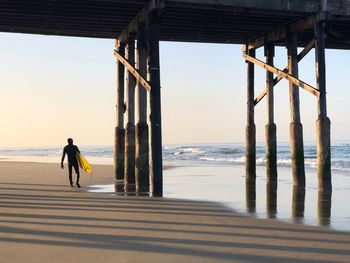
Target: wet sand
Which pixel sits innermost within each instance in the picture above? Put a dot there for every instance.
(228, 186)
(44, 220)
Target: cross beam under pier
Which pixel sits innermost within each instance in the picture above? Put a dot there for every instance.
(133, 26)
(282, 74)
(283, 31)
(139, 78)
(276, 80)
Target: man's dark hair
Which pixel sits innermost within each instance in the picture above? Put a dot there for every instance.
(70, 141)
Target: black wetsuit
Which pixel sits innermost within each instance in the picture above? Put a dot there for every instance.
(71, 151)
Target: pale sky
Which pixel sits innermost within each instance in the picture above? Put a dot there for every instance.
(58, 87)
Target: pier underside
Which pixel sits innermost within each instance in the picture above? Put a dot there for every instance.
(208, 21)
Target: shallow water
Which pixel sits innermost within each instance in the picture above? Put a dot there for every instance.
(228, 186)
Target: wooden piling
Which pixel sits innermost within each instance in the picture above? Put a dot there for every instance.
(295, 128)
(298, 203)
(120, 107)
(323, 124)
(156, 164)
(119, 186)
(130, 110)
(250, 132)
(271, 199)
(270, 128)
(250, 191)
(324, 207)
(141, 131)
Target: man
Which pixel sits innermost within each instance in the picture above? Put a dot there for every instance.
(71, 150)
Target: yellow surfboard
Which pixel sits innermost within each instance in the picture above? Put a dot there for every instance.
(84, 164)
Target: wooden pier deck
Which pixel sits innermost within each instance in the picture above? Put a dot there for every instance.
(211, 21)
(42, 220)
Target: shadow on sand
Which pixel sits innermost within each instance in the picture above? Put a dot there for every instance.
(33, 214)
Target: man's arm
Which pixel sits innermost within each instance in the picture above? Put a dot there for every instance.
(78, 149)
(63, 156)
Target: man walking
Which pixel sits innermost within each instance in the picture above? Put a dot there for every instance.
(71, 150)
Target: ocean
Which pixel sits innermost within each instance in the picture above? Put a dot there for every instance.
(190, 154)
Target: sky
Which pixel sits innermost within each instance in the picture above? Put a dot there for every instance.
(52, 88)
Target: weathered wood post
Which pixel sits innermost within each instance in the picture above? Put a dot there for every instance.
(250, 131)
(298, 202)
(323, 123)
(119, 130)
(130, 109)
(142, 142)
(250, 191)
(295, 128)
(156, 164)
(324, 207)
(270, 128)
(271, 199)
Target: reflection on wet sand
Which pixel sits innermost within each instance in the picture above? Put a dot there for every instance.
(271, 199)
(298, 203)
(130, 188)
(250, 191)
(324, 207)
(120, 188)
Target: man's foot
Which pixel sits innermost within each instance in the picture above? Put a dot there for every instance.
(78, 185)
(71, 184)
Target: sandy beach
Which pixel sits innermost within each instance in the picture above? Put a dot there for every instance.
(44, 220)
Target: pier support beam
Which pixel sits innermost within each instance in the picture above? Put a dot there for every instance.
(270, 128)
(119, 130)
(295, 128)
(250, 131)
(156, 165)
(323, 124)
(142, 142)
(130, 126)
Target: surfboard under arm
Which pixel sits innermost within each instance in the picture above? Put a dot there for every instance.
(84, 164)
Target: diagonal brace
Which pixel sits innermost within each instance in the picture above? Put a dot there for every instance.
(276, 80)
(283, 74)
(132, 70)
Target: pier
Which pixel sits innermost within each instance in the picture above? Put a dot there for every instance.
(138, 26)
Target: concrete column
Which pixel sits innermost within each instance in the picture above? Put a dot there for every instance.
(270, 128)
(130, 127)
(323, 124)
(295, 128)
(119, 130)
(142, 142)
(156, 165)
(250, 131)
